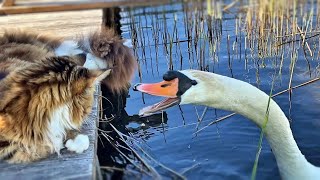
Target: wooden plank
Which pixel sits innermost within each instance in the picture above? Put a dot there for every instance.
(75, 6)
(68, 165)
(65, 2)
(6, 3)
(67, 24)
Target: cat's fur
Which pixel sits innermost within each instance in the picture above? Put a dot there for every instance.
(39, 103)
(103, 49)
(43, 96)
(106, 45)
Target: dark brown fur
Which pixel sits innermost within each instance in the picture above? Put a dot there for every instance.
(19, 36)
(29, 46)
(108, 46)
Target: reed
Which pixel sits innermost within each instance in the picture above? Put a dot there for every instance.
(265, 122)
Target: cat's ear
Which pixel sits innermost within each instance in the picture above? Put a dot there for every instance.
(88, 78)
(98, 75)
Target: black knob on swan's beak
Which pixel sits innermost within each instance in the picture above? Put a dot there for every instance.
(135, 86)
(194, 82)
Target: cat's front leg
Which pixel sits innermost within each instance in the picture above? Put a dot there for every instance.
(79, 144)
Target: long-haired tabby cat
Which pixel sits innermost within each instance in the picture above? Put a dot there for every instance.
(40, 102)
(43, 96)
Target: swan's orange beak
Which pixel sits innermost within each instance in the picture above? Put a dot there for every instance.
(164, 88)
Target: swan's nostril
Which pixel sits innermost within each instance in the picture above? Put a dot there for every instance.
(165, 85)
(135, 87)
(194, 82)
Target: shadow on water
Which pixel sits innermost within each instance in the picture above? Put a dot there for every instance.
(114, 154)
(182, 36)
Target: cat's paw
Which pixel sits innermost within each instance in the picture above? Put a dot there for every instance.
(79, 144)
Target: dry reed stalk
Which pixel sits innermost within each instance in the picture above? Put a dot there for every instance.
(125, 138)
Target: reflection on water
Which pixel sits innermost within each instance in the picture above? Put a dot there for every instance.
(180, 36)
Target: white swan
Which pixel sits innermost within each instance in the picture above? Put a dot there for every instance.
(204, 88)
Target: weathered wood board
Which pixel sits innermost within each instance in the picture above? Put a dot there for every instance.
(19, 7)
(67, 24)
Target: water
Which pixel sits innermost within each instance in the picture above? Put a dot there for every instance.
(225, 150)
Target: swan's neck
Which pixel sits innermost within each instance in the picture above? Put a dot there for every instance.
(247, 100)
(291, 162)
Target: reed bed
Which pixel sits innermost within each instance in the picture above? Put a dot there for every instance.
(262, 30)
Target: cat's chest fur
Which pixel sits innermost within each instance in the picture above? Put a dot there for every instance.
(60, 122)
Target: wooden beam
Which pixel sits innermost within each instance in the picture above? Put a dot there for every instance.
(67, 24)
(74, 6)
(6, 3)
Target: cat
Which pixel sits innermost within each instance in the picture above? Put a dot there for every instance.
(30, 62)
(40, 103)
(100, 49)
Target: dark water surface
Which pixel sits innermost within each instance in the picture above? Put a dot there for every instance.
(225, 150)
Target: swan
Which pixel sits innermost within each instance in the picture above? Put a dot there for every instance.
(221, 92)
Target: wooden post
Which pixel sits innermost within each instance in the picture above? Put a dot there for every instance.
(111, 18)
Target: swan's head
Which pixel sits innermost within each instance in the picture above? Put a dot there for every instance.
(180, 87)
